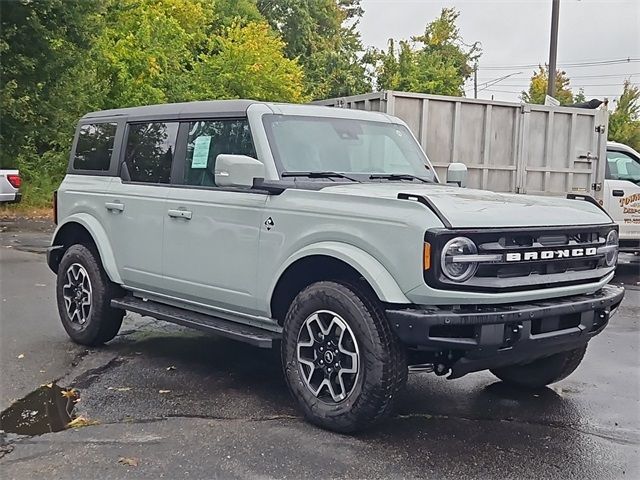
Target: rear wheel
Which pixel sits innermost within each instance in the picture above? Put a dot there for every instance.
(342, 363)
(543, 371)
(84, 294)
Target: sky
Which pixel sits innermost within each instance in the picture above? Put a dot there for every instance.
(515, 36)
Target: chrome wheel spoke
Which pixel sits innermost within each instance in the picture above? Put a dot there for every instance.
(328, 356)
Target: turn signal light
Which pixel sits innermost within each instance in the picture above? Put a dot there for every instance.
(426, 256)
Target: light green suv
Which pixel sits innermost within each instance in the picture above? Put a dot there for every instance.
(327, 232)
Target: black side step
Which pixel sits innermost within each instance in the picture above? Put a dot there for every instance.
(244, 333)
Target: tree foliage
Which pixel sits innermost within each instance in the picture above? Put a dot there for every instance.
(538, 88)
(42, 43)
(246, 62)
(322, 35)
(61, 59)
(437, 61)
(624, 121)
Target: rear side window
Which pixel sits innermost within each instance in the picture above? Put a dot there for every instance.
(94, 147)
(150, 151)
(208, 139)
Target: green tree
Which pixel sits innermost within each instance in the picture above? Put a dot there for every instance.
(437, 62)
(246, 62)
(624, 121)
(323, 36)
(146, 46)
(538, 87)
(43, 44)
(158, 51)
(61, 59)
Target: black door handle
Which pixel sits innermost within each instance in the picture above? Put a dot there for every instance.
(618, 193)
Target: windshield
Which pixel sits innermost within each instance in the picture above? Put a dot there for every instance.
(361, 149)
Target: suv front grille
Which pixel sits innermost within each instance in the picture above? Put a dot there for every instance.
(533, 257)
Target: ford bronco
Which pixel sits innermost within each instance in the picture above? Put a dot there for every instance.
(325, 232)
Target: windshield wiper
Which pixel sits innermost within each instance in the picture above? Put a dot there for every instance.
(397, 176)
(318, 175)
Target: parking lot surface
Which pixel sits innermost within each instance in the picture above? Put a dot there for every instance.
(170, 402)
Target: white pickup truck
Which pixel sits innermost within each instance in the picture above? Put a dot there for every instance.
(622, 193)
(10, 182)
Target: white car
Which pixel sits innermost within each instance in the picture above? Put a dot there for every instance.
(10, 182)
(622, 193)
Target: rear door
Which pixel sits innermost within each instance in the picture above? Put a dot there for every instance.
(136, 202)
(211, 233)
(622, 193)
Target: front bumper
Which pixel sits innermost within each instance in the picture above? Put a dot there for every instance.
(491, 336)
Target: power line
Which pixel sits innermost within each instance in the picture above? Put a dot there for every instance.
(588, 76)
(567, 64)
(572, 85)
(520, 91)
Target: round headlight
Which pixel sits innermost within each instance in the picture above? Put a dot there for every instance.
(611, 253)
(453, 264)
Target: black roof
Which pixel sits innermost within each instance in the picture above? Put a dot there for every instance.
(168, 111)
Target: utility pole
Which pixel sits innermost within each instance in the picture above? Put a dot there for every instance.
(475, 80)
(553, 48)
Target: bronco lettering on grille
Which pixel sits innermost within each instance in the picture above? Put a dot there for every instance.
(550, 254)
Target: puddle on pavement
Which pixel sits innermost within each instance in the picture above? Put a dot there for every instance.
(44, 410)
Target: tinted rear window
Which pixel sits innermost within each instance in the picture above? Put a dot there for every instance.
(150, 149)
(95, 146)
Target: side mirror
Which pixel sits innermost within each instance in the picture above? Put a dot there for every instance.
(237, 170)
(457, 173)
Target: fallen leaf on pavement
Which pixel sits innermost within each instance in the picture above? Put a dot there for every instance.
(81, 421)
(164, 391)
(130, 462)
(71, 393)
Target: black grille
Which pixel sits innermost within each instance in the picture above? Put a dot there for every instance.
(525, 274)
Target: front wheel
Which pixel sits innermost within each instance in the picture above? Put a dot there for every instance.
(84, 294)
(342, 363)
(543, 371)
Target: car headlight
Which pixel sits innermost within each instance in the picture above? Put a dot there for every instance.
(457, 259)
(610, 248)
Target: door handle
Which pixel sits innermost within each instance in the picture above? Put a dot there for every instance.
(618, 193)
(186, 214)
(114, 206)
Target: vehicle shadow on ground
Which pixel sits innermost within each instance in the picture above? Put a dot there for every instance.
(475, 427)
(205, 376)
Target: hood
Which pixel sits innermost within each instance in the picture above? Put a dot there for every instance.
(467, 208)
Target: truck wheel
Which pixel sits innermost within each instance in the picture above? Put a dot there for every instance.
(341, 361)
(84, 294)
(543, 371)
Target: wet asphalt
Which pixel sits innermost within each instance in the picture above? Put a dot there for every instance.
(171, 402)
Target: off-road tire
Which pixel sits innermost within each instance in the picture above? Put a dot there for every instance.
(543, 371)
(383, 362)
(103, 322)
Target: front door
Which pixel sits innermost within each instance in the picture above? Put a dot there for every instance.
(211, 234)
(136, 203)
(622, 193)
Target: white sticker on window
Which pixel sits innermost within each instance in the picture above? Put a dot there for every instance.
(201, 152)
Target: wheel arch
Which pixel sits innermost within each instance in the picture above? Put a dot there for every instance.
(331, 261)
(83, 228)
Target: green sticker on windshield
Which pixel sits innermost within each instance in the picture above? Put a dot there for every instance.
(201, 152)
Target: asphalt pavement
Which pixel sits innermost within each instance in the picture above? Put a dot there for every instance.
(171, 402)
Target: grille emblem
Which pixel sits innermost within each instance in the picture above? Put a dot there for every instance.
(551, 254)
